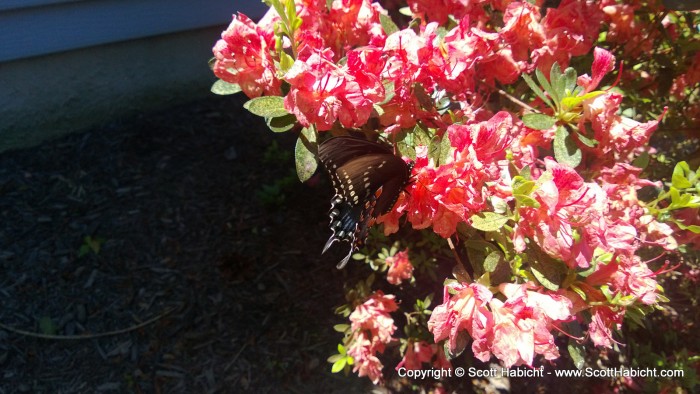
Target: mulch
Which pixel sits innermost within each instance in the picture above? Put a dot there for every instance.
(161, 254)
(175, 252)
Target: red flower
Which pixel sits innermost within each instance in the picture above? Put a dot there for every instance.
(321, 92)
(417, 353)
(567, 204)
(465, 311)
(372, 329)
(242, 57)
(400, 268)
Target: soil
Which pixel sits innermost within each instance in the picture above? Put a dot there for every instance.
(166, 253)
(176, 252)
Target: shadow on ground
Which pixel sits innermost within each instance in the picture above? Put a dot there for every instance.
(173, 242)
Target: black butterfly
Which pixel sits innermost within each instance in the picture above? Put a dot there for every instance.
(367, 178)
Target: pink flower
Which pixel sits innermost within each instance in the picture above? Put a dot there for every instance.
(603, 320)
(636, 36)
(322, 92)
(372, 328)
(417, 353)
(243, 57)
(603, 63)
(451, 193)
(356, 23)
(619, 138)
(522, 325)
(420, 352)
(570, 29)
(634, 278)
(567, 204)
(464, 312)
(373, 316)
(363, 351)
(400, 268)
(522, 29)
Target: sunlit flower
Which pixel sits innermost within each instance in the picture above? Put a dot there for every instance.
(400, 268)
(242, 57)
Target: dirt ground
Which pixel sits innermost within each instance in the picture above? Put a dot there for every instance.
(176, 252)
(170, 242)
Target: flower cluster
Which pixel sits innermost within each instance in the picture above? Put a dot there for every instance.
(372, 329)
(550, 178)
(400, 268)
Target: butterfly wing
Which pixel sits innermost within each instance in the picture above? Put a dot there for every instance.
(367, 178)
(339, 150)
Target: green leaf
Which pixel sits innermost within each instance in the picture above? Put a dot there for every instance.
(641, 161)
(569, 80)
(526, 200)
(387, 24)
(428, 300)
(537, 90)
(539, 121)
(589, 142)
(577, 353)
(332, 359)
(546, 85)
(557, 80)
(305, 154)
(84, 250)
(281, 124)
(224, 88)
(548, 271)
(522, 186)
(339, 365)
(286, 62)
(541, 276)
(341, 327)
(565, 149)
(389, 91)
(488, 221)
(477, 251)
(47, 326)
(579, 291)
(575, 101)
(297, 23)
(267, 106)
(492, 260)
(405, 11)
(636, 315)
(694, 228)
(679, 179)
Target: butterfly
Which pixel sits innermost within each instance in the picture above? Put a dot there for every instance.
(367, 178)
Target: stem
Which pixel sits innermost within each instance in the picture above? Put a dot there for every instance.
(87, 336)
(460, 272)
(514, 100)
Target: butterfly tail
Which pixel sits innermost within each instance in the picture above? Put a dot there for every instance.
(329, 243)
(344, 261)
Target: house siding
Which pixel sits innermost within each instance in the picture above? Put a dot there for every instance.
(66, 66)
(40, 27)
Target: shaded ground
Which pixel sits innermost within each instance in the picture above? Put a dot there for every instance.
(229, 283)
(182, 250)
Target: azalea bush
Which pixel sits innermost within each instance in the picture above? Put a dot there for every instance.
(538, 220)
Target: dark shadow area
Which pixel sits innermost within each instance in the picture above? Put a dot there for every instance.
(182, 244)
